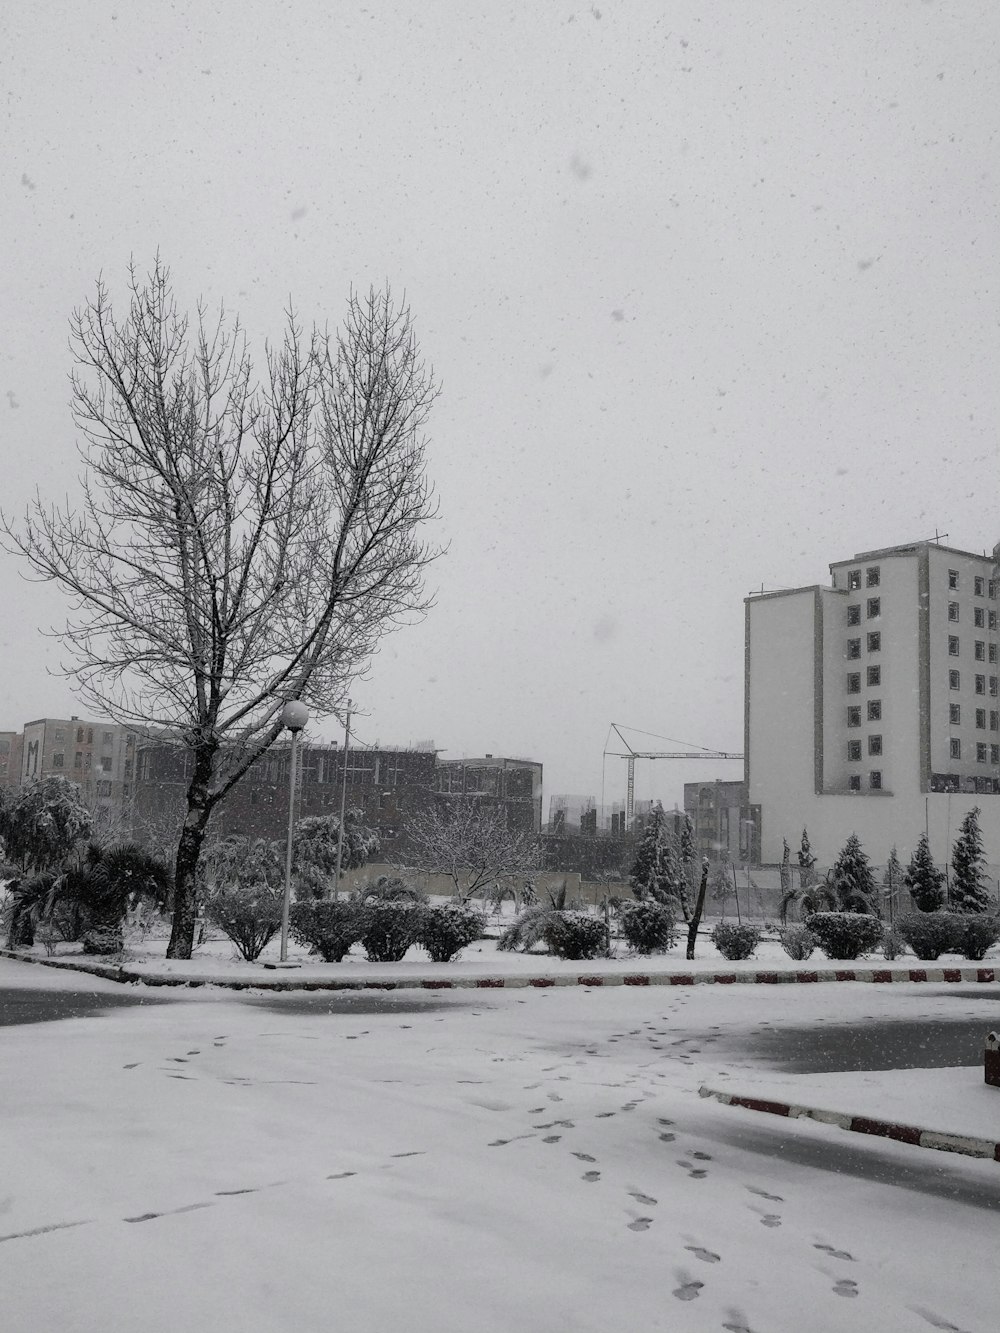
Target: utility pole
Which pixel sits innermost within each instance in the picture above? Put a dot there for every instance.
(343, 802)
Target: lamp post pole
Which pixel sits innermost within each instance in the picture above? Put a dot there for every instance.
(343, 803)
(294, 716)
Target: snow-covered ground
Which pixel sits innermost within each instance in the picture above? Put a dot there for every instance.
(524, 1160)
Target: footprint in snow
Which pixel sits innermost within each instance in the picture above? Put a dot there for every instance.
(775, 1198)
(641, 1224)
(699, 1174)
(688, 1291)
(937, 1321)
(552, 1138)
(341, 1175)
(706, 1256)
(642, 1198)
(603, 1115)
(702, 1156)
(591, 1176)
(835, 1254)
(771, 1220)
(845, 1287)
(585, 1157)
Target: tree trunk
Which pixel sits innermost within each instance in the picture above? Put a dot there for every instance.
(698, 909)
(188, 853)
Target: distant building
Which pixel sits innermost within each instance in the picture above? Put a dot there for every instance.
(718, 811)
(514, 783)
(98, 756)
(873, 704)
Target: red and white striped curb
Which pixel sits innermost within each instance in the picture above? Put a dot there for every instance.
(861, 1124)
(113, 972)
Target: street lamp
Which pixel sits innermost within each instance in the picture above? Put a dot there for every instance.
(294, 716)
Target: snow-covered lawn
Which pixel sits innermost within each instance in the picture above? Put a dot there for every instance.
(524, 1161)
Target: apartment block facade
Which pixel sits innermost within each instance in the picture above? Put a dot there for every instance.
(873, 703)
(98, 756)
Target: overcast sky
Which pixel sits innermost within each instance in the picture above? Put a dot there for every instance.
(711, 288)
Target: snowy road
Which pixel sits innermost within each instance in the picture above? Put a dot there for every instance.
(508, 1161)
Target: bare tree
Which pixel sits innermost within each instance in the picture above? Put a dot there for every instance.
(237, 544)
(471, 844)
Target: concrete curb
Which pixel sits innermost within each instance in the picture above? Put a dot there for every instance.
(860, 1124)
(130, 976)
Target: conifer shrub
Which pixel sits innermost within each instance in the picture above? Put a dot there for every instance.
(893, 944)
(575, 935)
(326, 928)
(248, 914)
(648, 926)
(930, 934)
(389, 927)
(446, 930)
(976, 934)
(798, 942)
(734, 941)
(845, 935)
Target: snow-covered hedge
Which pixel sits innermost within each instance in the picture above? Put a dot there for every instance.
(845, 934)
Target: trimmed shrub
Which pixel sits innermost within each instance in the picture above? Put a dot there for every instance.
(976, 934)
(893, 944)
(446, 930)
(735, 941)
(575, 935)
(930, 934)
(388, 928)
(798, 942)
(648, 926)
(327, 928)
(845, 935)
(249, 914)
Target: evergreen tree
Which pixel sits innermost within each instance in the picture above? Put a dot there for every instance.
(786, 870)
(852, 880)
(688, 863)
(806, 861)
(970, 886)
(655, 871)
(923, 879)
(892, 878)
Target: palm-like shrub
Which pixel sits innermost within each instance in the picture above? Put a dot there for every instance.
(567, 934)
(104, 886)
(248, 914)
(390, 889)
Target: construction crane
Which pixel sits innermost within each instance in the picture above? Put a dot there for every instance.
(694, 752)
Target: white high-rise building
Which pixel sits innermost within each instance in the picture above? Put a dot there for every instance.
(872, 704)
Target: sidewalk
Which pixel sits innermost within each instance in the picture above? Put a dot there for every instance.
(482, 967)
(951, 1110)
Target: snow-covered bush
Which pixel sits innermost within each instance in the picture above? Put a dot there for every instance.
(388, 928)
(575, 935)
(798, 942)
(248, 914)
(845, 935)
(327, 928)
(735, 941)
(976, 934)
(930, 934)
(446, 930)
(893, 944)
(647, 925)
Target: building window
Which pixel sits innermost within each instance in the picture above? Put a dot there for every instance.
(854, 717)
(980, 684)
(128, 768)
(875, 779)
(979, 650)
(107, 738)
(59, 737)
(874, 744)
(874, 608)
(874, 642)
(993, 620)
(952, 610)
(953, 648)
(79, 735)
(854, 614)
(853, 648)
(981, 719)
(953, 579)
(995, 754)
(955, 714)
(78, 759)
(854, 782)
(981, 753)
(994, 720)
(954, 680)
(979, 586)
(854, 579)
(993, 589)
(874, 710)
(874, 675)
(978, 616)
(106, 763)
(872, 577)
(104, 789)
(993, 686)
(90, 735)
(854, 682)
(57, 760)
(853, 752)
(993, 652)
(955, 747)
